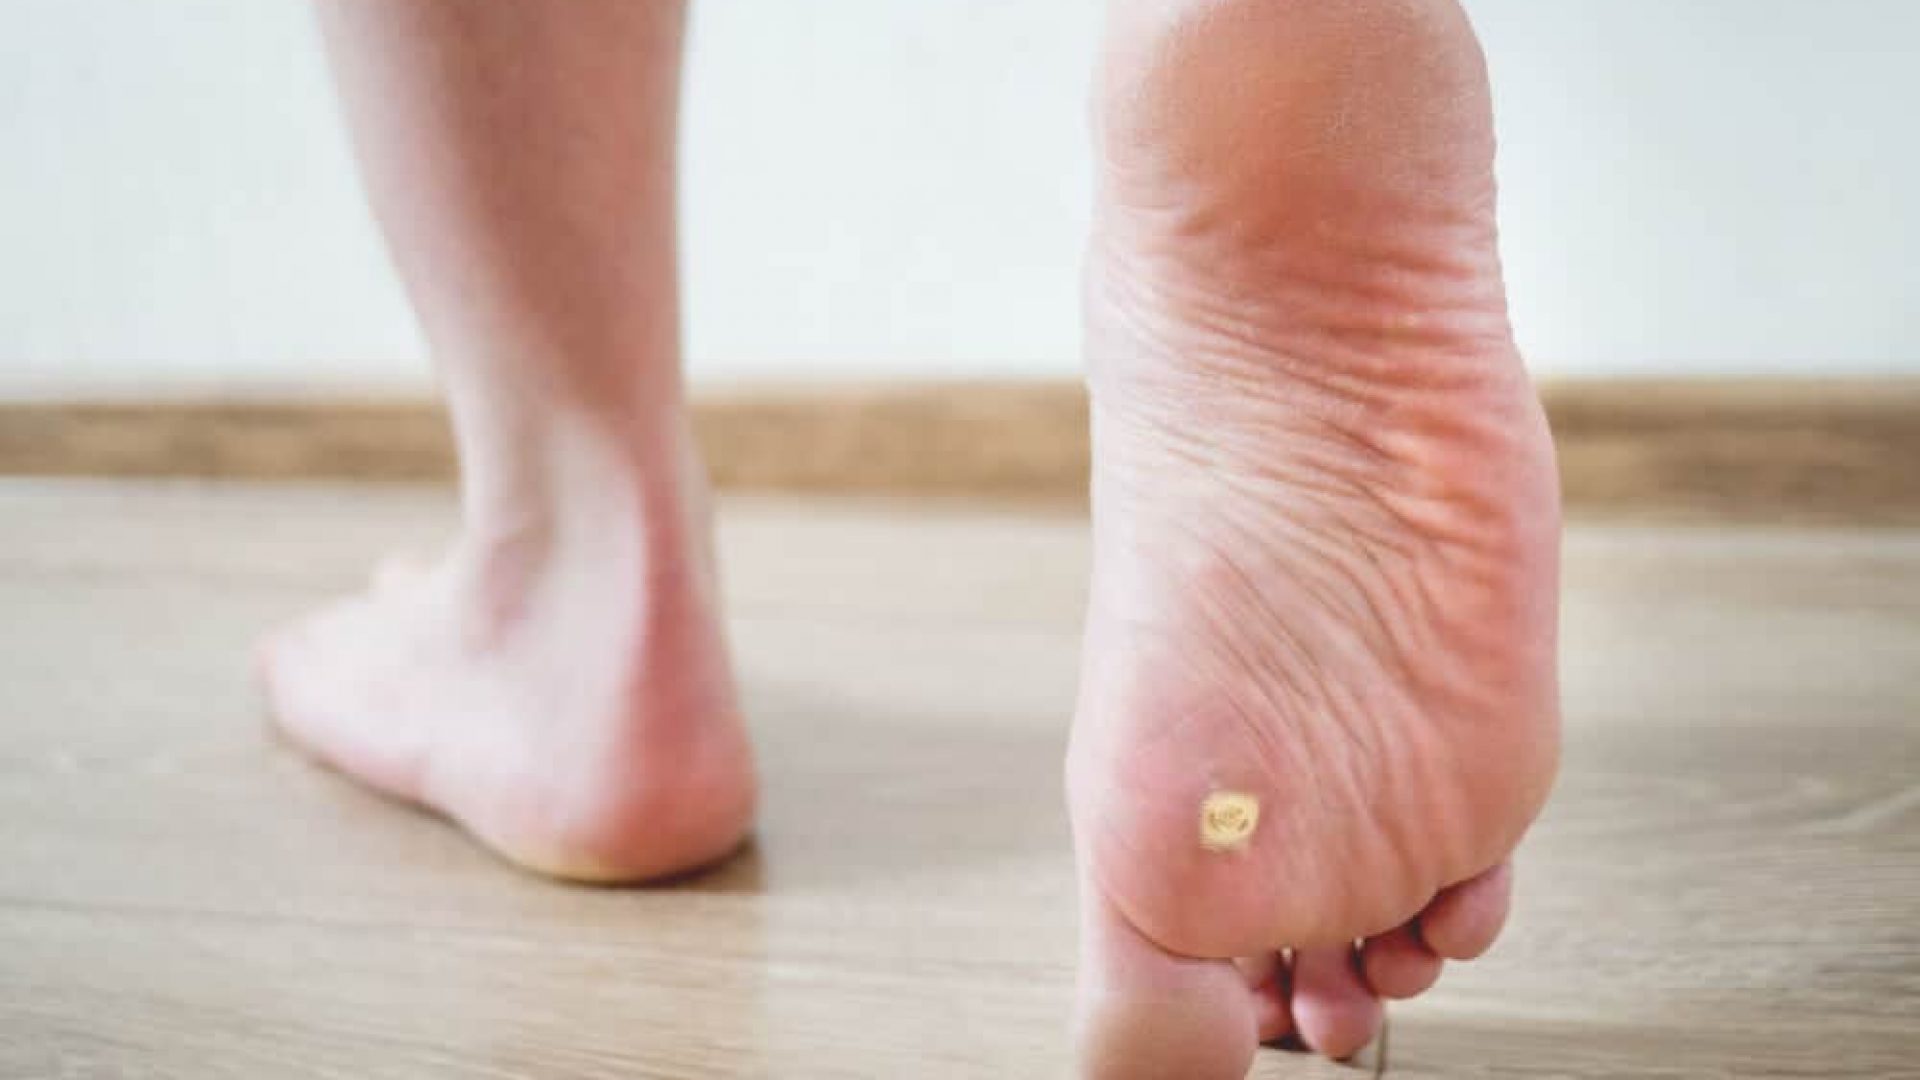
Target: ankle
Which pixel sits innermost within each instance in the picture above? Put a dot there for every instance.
(542, 448)
(622, 515)
(566, 473)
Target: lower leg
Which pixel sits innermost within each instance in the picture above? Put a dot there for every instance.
(1317, 701)
(559, 683)
(520, 159)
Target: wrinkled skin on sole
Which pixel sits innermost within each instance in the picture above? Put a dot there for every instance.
(1326, 533)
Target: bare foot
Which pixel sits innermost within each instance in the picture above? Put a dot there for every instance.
(1318, 701)
(558, 685)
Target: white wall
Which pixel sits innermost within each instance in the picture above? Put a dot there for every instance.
(898, 187)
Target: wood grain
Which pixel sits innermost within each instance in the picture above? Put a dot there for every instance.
(1737, 450)
(1752, 450)
(1726, 885)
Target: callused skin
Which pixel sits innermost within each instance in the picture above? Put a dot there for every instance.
(1318, 699)
(1326, 527)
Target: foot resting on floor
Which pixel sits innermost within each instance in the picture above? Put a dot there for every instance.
(558, 684)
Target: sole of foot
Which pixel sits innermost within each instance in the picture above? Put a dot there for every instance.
(1318, 703)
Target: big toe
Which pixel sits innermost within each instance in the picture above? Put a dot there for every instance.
(1147, 1014)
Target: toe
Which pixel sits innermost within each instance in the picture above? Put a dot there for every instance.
(1337, 1015)
(317, 695)
(1463, 921)
(1397, 964)
(1267, 976)
(1147, 1013)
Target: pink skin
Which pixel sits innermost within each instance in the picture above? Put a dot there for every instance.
(1326, 531)
(1325, 511)
(558, 684)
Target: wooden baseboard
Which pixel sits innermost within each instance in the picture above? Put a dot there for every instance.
(1746, 449)
(1840, 450)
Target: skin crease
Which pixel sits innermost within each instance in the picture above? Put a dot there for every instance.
(1326, 529)
(1325, 512)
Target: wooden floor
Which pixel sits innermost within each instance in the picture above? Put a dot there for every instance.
(1727, 885)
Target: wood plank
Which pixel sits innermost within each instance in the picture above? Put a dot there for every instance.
(1746, 450)
(1727, 884)
(1734, 450)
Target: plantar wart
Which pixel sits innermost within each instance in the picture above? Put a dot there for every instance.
(1227, 820)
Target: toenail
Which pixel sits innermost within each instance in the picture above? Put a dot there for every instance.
(1227, 819)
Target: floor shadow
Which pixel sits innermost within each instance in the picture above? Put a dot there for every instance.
(850, 795)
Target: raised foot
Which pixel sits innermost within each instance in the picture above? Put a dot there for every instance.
(1318, 702)
(1146, 1012)
(562, 693)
